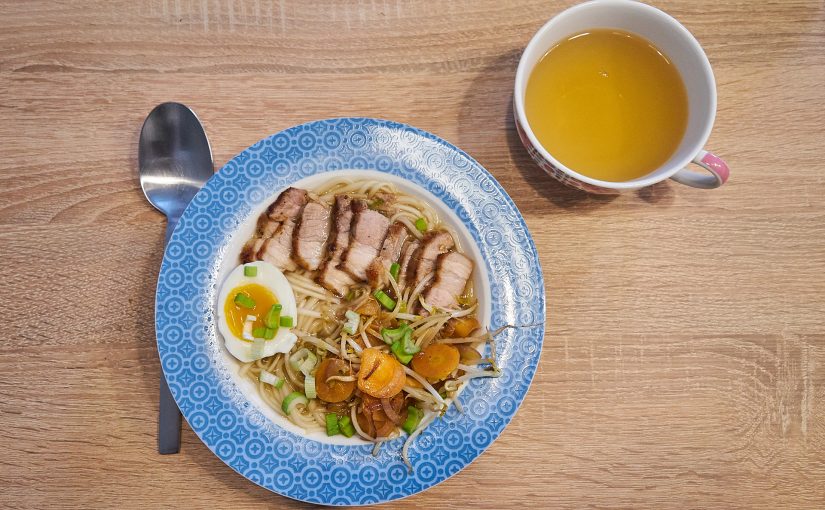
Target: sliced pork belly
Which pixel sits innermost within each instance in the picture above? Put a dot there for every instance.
(330, 276)
(273, 240)
(390, 253)
(367, 233)
(309, 241)
(434, 244)
(452, 272)
(406, 257)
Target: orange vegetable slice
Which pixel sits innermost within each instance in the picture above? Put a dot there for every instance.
(333, 391)
(465, 326)
(380, 376)
(436, 361)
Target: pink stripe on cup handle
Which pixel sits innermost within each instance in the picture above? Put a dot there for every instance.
(719, 172)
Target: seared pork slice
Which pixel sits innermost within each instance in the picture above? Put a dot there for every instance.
(330, 276)
(434, 244)
(367, 233)
(288, 205)
(277, 250)
(273, 239)
(265, 229)
(452, 272)
(406, 257)
(310, 236)
(390, 253)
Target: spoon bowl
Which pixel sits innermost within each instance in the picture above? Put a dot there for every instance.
(174, 157)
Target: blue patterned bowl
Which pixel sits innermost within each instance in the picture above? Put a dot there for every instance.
(231, 420)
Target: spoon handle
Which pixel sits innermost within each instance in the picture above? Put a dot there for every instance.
(168, 412)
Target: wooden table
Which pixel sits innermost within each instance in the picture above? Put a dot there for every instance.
(684, 364)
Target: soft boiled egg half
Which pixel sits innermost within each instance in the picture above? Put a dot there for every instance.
(256, 312)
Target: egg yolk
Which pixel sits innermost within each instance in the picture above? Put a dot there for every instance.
(236, 314)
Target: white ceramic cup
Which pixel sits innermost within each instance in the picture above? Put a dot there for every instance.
(673, 40)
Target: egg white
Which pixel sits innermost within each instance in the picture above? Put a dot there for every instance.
(274, 280)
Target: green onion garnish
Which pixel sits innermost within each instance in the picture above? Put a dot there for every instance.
(353, 319)
(273, 316)
(378, 202)
(286, 321)
(397, 348)
(407, 344)
(414, 416)
(250, 271)
(394, 268)
(332, 424)
(391, 335)
(421, 224)
(270, 378)
(345, 425)
(350, 296)
(269, 333)
(259, 332)
(292, 400)
(386, 301)
(309, 386)
(244, 301)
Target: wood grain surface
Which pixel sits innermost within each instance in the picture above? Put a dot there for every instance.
(684, 363)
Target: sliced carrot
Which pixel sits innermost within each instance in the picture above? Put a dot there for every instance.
(465, 326)
(380, 375)
(333, 391)
(369, 307)
(413, 382)
(436, 361)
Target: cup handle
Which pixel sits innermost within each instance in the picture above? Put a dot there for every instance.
(719, 172)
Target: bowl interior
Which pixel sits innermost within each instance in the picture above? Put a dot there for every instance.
(481, 280)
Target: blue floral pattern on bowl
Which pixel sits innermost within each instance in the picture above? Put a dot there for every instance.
(190, 349)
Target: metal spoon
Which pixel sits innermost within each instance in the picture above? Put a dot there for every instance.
(175, 162)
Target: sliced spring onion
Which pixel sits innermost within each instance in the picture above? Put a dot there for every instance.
(386, 301)
(271, 379)
(407, 344)
(247, 332)
(391, 335)
(421, 224)
(345, 426)
(286, 321)
(332, 424)
(307, 366)
(394, 269)
(250, 271)
(350, 296)
(292, 400)
(353, 319)
(244, 301)
(259, 332)
(299, 356)
(269, 333)
(397, 348)
(251, 318)
(309, 386)
(414, 416)
(273, 316)
(378, 202)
